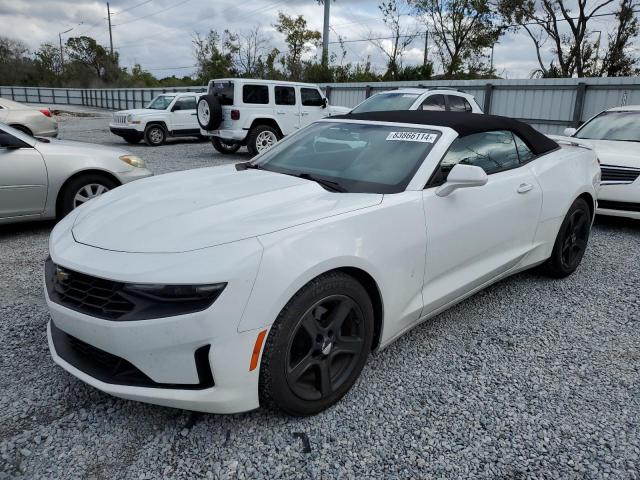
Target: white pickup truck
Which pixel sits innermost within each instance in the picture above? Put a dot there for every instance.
(258, 113)
(167, 115)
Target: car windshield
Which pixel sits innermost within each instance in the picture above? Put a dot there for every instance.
(161, 102)
(619, 125)
(353, 157)
(222, 90)
(387, 101)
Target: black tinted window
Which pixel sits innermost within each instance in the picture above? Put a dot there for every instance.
(434, 103)
(185, 103)
(255, 94)
(222, 90)
(285, 95)
(458, 104)
(311, 97)
(524, 151)
(491, 151)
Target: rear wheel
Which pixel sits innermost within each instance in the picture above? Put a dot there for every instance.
(82, 189)
(261, 138)
(155, 135)
(225, 146)
(571, 242)
(317, 346)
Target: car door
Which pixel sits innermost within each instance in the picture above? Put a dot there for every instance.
(184, 118)
(476, 234)
(23, 177)
(313, 105)
(287, 108)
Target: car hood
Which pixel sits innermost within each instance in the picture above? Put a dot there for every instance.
(337, 110)
(623, 154)
(201, 208)
(140, 111)
(71, 147)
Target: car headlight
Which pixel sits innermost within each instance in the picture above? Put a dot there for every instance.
(133, 160)
(129, 117)
(207, 293)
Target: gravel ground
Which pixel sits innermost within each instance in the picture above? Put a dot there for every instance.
(532, 378)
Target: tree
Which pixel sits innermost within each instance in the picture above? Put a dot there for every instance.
(568, 31)
(213, 58)
(247, 49)
(15, 64)
(461, 29)
(401, 36)
(90, 61)
(299, 39)
(48, 64)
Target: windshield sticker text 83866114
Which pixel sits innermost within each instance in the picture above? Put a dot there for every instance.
(412, 137)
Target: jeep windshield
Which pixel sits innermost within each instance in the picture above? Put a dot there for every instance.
(387, 101)
(161, 102)
(223, 91)
(354, 157)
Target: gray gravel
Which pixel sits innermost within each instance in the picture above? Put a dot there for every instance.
(532, 378)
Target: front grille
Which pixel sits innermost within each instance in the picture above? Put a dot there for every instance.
(616, 174)
(84, 293)
(622, 206)
(120, 118)
(112, 369)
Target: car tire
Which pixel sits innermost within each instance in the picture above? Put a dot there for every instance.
(209, 112)
(83, 188)
(571, 241)
(23, 129)
(326, 332)
(261, 138)
(225, 147)
(133, 139)
(155, 135)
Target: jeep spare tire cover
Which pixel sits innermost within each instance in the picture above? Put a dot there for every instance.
(209, 112)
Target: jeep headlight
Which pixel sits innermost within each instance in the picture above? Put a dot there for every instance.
(129, 117)
(133, 160)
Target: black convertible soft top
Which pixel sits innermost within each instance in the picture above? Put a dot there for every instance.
(463, 123)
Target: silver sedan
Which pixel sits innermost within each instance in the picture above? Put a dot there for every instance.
(30, 120)
(47, 178)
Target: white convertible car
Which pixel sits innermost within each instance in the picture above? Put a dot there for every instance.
(615, 136)
(271, 281)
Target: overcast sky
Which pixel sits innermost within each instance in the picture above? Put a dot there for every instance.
(158, 33)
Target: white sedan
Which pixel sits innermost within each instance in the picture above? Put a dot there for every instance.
(37, 122)
(615, 136)
(271, 281)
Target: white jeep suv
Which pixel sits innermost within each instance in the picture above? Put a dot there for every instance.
(258, 113)
(167, 115)
(434, 99)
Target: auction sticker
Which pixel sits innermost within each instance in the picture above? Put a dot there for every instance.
(412, 137)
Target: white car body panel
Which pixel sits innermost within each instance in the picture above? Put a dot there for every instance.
(422, 94)
(17, 114)
(276, 233)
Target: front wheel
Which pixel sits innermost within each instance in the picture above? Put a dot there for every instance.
(261, 138)
(317, 346)
(225, 147)
(82, 189)
(571, 242)
(154, 135)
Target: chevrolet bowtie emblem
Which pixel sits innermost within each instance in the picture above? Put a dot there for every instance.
(61, 275)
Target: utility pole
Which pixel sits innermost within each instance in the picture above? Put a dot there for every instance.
(61, 50)
(426, 48)
(110, 35)
(325, 34)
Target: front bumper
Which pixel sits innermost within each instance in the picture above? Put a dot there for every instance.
(165, 349)
(622, 200)
(121, 130)
(133, 174)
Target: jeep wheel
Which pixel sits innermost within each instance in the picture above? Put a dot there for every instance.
(261, 138)
(209, 112)
(225, 147)
(154, 135)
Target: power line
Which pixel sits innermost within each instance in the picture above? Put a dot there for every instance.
(131, 8)
(152, 14)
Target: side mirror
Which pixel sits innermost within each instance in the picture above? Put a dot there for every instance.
(324, 102)
(9, 141)
(462, 176)
(570, 132)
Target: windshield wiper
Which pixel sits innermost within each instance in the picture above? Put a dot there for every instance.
(247, 166)
(328, 184)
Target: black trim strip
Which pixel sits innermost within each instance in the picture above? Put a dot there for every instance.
(622, 206)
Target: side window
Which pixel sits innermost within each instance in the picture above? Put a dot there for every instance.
(185, 103)
(311, 97)
(458, 104)
(285, 95)
(492, 151)
(524, 152)
(255, 94)
(434, 103)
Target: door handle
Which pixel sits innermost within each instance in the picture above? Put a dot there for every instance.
(194, 114)
(524, 188)
(280, 112)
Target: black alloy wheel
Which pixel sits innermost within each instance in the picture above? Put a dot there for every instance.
(325, 348)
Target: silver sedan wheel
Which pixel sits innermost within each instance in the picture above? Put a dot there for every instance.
(86, 193)
(203, 113)
(265, 140)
